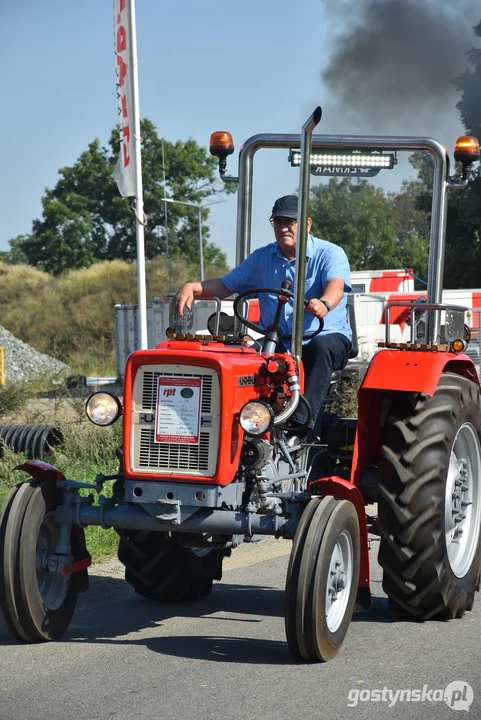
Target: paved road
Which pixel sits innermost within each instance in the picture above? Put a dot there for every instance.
(225, 658)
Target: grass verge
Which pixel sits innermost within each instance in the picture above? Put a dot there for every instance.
(86, 451)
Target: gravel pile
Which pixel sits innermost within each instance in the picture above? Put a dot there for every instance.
(22, 362)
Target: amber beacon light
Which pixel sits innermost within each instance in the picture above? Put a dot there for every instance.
(466, 149)
(221, 144)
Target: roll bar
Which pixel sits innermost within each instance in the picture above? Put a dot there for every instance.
(346, 142)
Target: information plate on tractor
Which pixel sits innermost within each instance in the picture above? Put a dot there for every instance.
(177, 413)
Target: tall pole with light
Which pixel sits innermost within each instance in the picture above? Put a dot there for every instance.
(199, 207)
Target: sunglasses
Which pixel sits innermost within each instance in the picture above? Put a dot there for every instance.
(283, 222)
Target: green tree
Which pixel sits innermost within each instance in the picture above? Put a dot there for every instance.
(412, 223)
(15, 256)
(462, 265)
(63, 240)
(462, 268)
(85, 220)
(366, 223)
(410, 218)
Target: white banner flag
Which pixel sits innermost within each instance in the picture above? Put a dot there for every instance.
(124, 173)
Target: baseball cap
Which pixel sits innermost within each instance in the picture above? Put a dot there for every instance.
(285, 206)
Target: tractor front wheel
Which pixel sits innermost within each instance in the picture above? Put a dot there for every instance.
(37, 604)
(160, 568)
(322, 579)
(430, 501)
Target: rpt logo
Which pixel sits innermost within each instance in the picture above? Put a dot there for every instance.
(168, 392)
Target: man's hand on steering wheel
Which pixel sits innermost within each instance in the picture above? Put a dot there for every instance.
(316, 308)
(283, 293)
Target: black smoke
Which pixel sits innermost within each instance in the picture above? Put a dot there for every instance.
(394, 64)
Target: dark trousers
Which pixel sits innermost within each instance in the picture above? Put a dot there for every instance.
(320, 357)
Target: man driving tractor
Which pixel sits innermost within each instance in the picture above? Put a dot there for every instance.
(327, 282)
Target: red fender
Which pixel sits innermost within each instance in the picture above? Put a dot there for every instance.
(415, 370)
(397, 371)
(41, 470)
(345, 490)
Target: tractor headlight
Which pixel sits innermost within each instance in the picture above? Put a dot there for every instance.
(103, 408)
(256, 417)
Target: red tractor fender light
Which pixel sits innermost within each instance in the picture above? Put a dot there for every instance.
(459, 345)
(466, 150)
(221, 144)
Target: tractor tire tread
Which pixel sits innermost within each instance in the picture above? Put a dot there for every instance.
(159, 568)
(420, 432)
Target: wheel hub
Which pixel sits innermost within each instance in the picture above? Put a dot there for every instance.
(460, 498)
(462, 501)
(339, 581)
(53, 586)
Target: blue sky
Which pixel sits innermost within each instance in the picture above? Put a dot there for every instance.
(204, 65)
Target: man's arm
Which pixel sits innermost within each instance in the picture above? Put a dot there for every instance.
(202, 290)
(333, 294)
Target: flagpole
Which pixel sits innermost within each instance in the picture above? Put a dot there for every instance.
(139, 202)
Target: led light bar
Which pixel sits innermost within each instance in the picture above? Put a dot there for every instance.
(368, 160)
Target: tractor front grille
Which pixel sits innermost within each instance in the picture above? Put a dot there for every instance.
(174, 457)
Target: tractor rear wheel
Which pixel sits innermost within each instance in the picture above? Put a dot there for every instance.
(322, 579)
(160, 568)
(37, 604)
(430, 501)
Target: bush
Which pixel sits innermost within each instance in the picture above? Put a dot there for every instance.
(72, 317)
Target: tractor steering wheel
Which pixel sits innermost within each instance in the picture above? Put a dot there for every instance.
(257, 328)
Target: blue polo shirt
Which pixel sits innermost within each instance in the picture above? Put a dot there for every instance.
(268, 267)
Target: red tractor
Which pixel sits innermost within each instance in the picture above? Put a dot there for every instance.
(207, 462)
